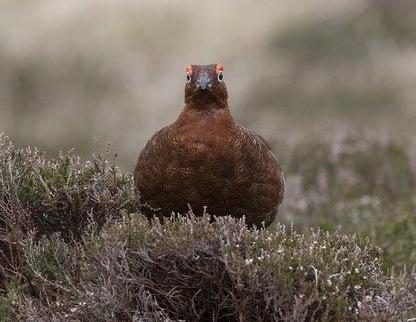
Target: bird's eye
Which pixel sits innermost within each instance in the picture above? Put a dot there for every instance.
(188, 78)
(220, 76)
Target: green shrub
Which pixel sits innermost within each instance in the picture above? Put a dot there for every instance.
(5, 310)
(357, 185)
(54, 196)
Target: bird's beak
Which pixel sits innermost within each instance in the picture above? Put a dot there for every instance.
(203, 82)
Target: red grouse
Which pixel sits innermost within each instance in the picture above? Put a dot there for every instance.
(206, 160)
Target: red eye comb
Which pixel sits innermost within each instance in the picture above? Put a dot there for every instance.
(219, 68)
(189, 70)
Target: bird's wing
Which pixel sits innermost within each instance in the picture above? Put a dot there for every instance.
(257, 138)
(151, 150)
(259, 143)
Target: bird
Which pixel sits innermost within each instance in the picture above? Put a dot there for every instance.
(208, 163)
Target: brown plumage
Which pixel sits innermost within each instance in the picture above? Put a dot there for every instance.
(206, 159)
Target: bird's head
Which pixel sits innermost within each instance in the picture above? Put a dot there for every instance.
(205, 85)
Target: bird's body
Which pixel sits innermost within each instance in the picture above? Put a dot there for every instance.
(205, 159)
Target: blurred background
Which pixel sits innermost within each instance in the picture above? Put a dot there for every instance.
(71, 71)
(329, 83)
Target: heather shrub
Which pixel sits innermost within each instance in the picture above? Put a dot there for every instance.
(189, 269)
(356, 184)
(73, 246)
(333, 177)
(54, 196)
